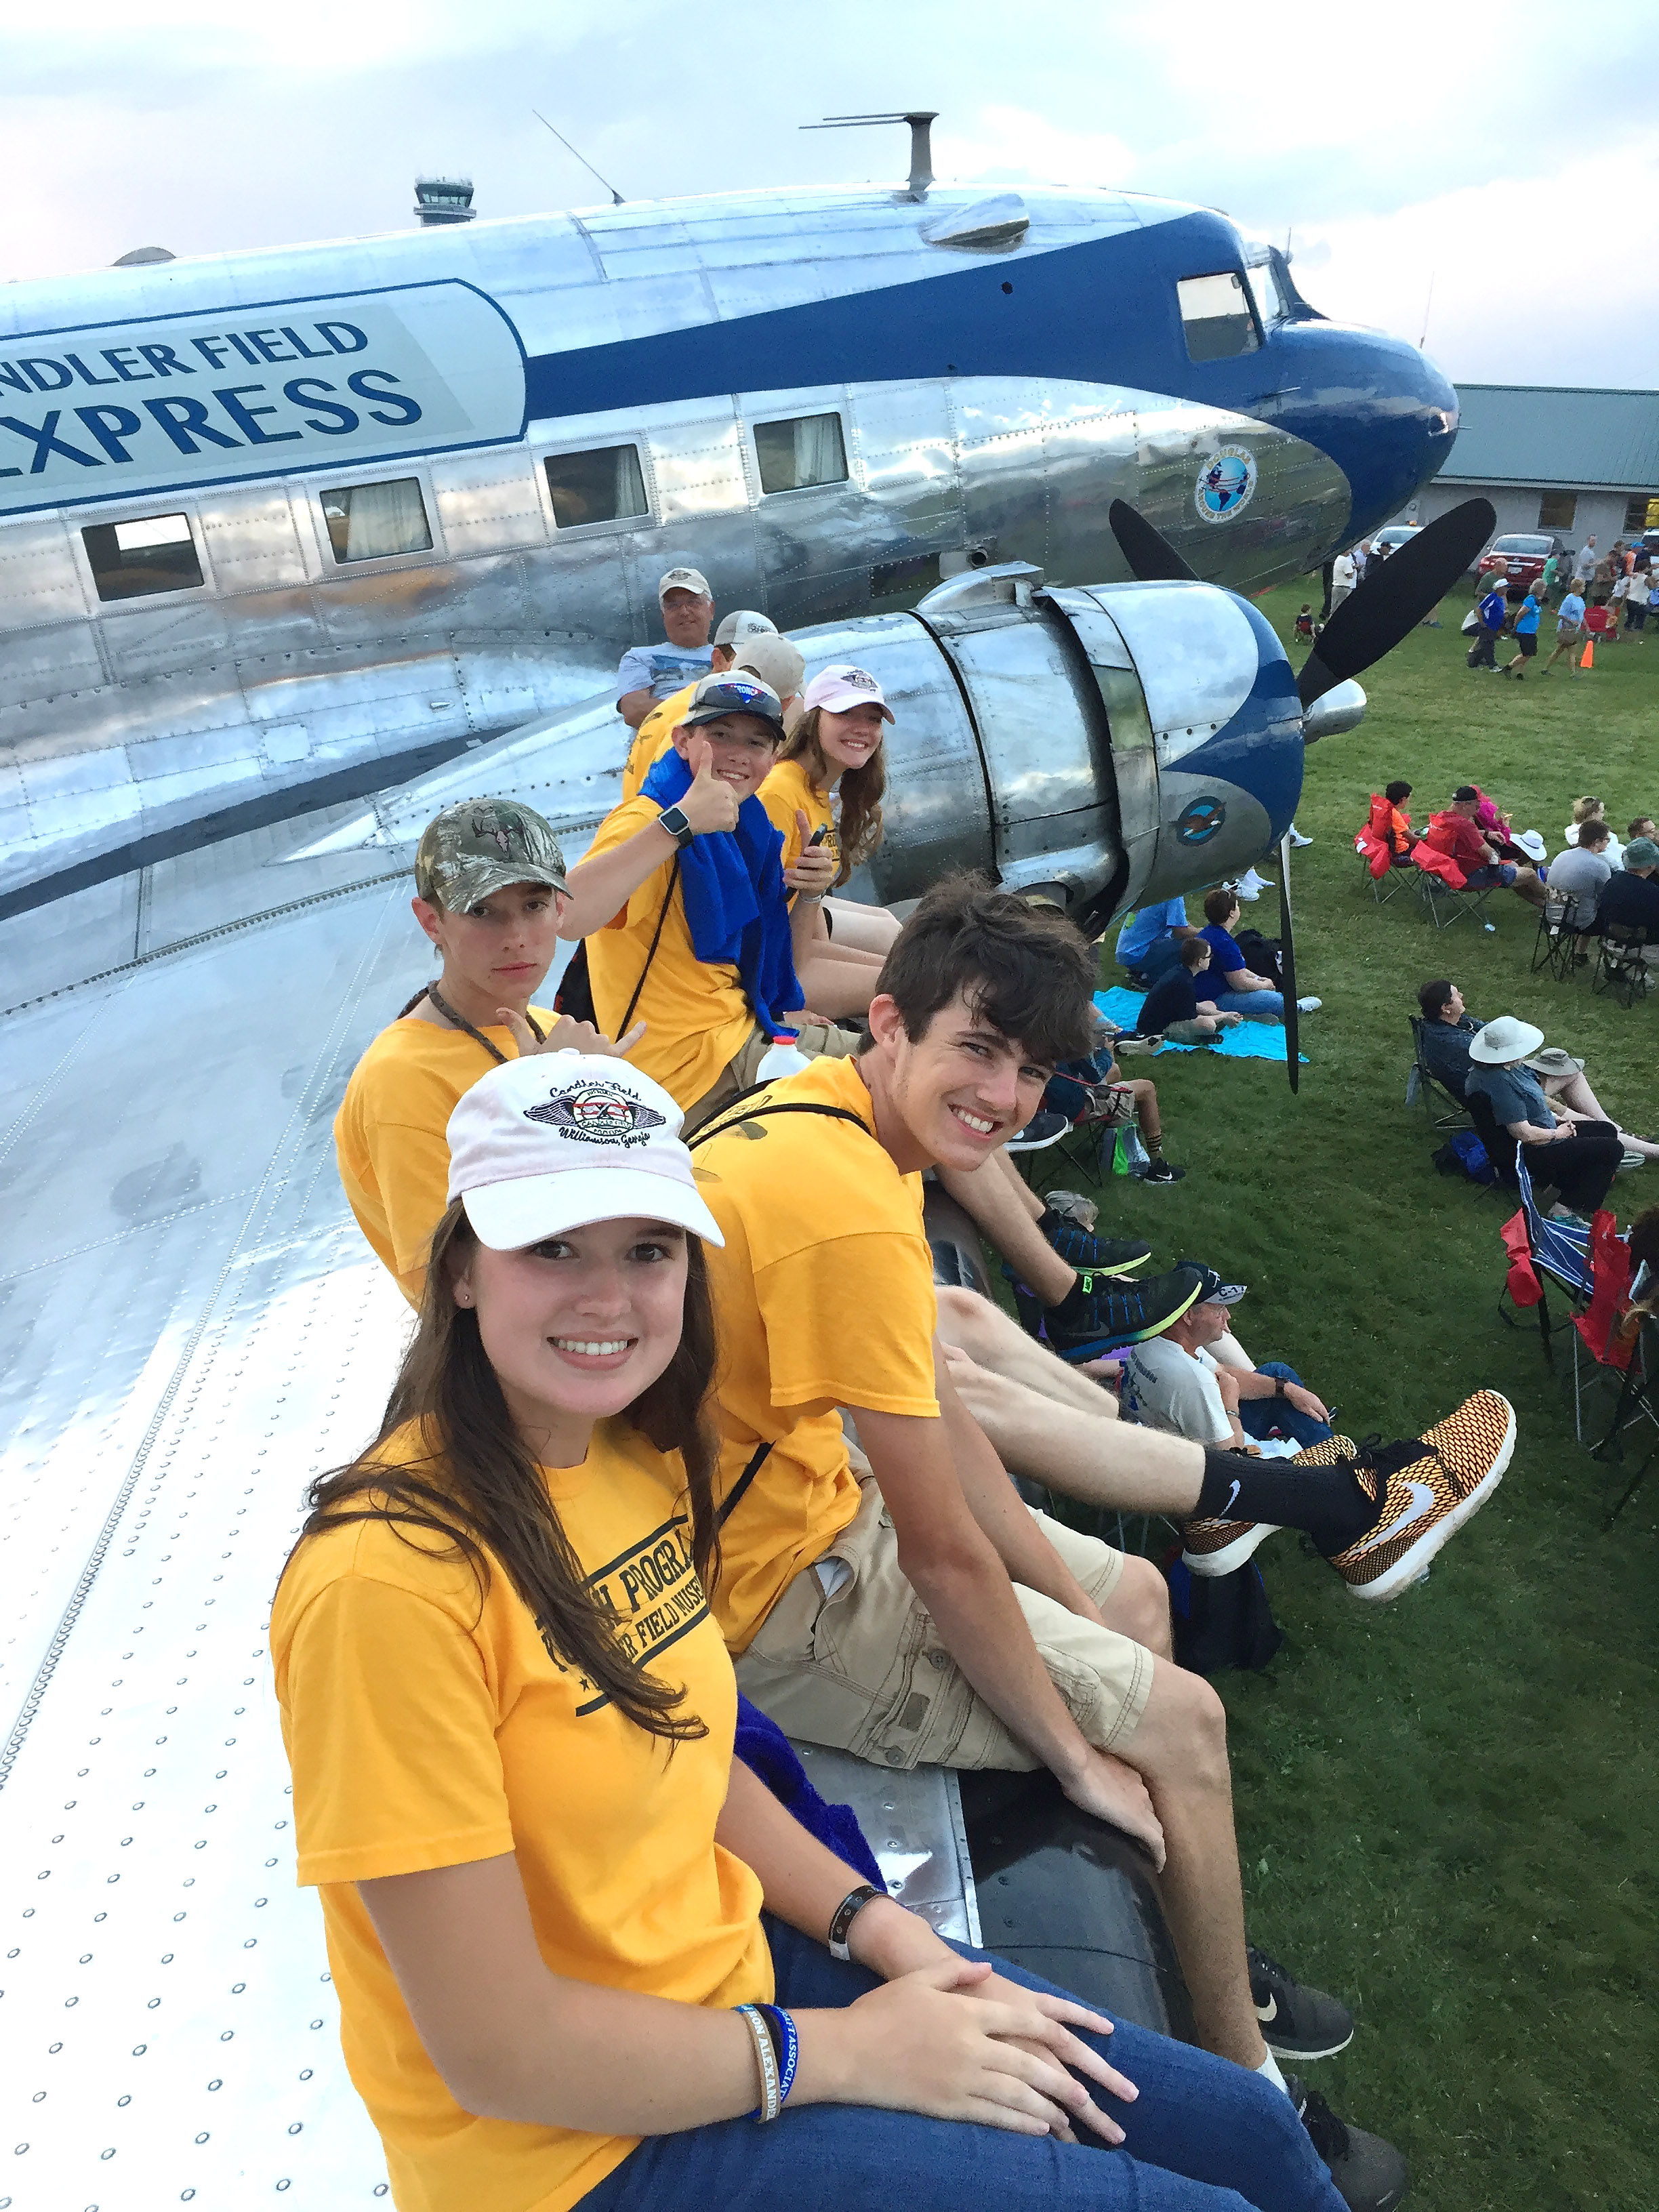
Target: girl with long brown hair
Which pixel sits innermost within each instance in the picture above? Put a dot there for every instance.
(833, 762)
(510, 1719)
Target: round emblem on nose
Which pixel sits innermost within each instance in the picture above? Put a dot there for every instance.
(1226, 483)
(1197, 824)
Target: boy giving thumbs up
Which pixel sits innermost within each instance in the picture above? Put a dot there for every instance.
(687, 915)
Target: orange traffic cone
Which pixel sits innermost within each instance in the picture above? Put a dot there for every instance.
(1587, 658)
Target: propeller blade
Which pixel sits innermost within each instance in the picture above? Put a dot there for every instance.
(1394, 597)
(1287, 967)
(1151, 558)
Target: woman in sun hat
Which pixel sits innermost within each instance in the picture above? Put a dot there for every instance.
(510, 1716)
(1577, 1155)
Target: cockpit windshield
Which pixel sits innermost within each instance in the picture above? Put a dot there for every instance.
(1264, 291)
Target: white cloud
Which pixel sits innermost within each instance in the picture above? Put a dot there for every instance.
(1014, 146)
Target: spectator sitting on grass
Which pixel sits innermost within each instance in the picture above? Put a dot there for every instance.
(1243, 991)
(1197, 1381)
(1173, 1009)
(1449, 1029)
(1150, 942)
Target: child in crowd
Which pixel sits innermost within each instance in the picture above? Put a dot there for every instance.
(1173, 1009)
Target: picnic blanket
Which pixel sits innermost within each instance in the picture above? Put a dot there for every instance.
(1249, 1041)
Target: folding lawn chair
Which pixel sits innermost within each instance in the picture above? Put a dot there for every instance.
(1637, 1403)
(1621, 965)
(1445, 1109)
(1383, 887)
(1558, 1250)
(1445, 903)
(1556, 945)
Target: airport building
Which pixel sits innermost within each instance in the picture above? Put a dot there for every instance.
(1580, 463)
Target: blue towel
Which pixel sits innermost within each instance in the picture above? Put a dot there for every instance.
(736, 903)
(1249, 1041)
(765, 1751)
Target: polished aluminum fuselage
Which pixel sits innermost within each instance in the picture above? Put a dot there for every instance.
(287, 669)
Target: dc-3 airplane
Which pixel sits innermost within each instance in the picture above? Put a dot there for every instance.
(1025, 455)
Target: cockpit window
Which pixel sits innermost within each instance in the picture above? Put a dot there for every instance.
(129, 560)
(1215, 314)
(1264, 290)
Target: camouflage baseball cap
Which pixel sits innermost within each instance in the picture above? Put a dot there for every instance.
(482, 846)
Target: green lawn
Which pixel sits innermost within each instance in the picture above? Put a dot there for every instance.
(1449, 1808)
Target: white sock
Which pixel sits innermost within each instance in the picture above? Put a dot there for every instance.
(1269, 2066)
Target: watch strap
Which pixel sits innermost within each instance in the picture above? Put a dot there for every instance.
(674, 822)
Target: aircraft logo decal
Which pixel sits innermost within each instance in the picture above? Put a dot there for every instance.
(1202, 820)
(599, 1114)
(1226, 484)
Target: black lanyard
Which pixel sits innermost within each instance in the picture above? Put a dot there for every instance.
(461, 1022)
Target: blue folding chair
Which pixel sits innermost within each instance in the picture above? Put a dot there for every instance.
(1560, 1250)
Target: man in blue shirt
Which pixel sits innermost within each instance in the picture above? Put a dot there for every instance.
(1526, 633)
(1494, 611)
(1150, 942)
(1568, 627)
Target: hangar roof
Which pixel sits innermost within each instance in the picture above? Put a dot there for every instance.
(1554, 434)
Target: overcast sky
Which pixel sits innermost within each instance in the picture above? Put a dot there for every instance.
(1513, 167)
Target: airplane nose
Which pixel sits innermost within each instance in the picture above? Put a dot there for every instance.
(1382, 411)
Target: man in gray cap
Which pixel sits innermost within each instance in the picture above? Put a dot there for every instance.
(490, 882)
(1197, 1381)
(649, 673)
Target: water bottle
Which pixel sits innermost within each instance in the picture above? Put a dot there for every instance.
(783, 1056)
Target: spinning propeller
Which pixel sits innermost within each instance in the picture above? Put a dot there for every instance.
(1396, 595)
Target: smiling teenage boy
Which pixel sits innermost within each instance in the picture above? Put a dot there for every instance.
(905, 1605)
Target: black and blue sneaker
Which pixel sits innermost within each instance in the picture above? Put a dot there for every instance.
(1117, 1313)
(1080, 1248)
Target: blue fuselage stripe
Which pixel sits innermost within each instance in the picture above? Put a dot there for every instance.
(1104, 312)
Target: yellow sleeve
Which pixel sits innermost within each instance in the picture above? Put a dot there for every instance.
(391, 1737)
(411, 1166)
(819, 1306)
(779, 795)
(622, 822)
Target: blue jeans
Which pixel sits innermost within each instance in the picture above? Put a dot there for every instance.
(1204, 2136)
(1260, 1416)
(1255, 1006)
(1496, 875)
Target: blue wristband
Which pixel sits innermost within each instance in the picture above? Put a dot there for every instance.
(791, 2051)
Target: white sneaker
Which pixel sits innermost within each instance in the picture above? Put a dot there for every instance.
(1250, 885)
(1297, 837)
(1308, 1006)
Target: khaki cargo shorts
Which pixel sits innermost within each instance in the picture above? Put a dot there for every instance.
(817, 1040)
(866, 1670)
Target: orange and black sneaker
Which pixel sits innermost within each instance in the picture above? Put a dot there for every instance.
(1424, 1492)
(1211, 1548)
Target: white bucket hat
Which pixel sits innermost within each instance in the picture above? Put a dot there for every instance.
(1504, 1041)
(559, 1140)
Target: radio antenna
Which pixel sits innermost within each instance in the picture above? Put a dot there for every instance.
(921, 120)
(616, 197)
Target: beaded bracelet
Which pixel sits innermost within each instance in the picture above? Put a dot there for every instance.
(771, 2103)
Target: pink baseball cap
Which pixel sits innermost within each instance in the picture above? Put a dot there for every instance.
(562, 1139)
(842, 685)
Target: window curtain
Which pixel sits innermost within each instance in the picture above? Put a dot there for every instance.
(630, 486)
(819, 457)
(386, 518)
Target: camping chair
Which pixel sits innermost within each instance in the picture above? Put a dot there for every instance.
(1446, 902)
(1556, 945)
(1636, 1403)
(1385, 884)
(1559, 1250)
(1621, 965)
(1445, 1109)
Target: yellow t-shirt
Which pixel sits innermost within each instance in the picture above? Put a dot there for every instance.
(425, 1730)
(697, 1018)
(788, 786)
(653, 738)
(823, 1297)
(389, 1134)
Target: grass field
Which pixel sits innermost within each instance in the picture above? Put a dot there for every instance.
(1447, 1808)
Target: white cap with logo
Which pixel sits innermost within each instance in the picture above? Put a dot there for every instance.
(842, 685)
(559, 1140)
(683, 579)
(742, 624)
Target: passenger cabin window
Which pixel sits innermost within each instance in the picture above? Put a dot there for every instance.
(807, 451)
(1556, 510)
(1215, 314)
(604, 485)
(132, 559)
(366, 522)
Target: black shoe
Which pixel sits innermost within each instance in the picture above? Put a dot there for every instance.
(1119, 1313)
(1296, 2022)
(1042, 1130)
(1161, 1171)
(1095, 1256)
(1369, 2175)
